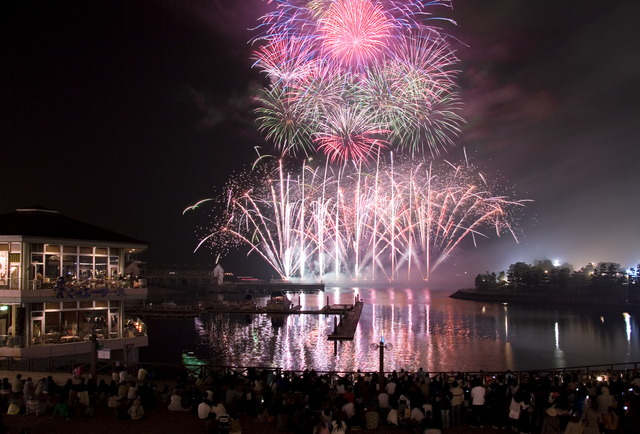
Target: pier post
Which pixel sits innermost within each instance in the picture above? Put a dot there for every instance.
(381, 379)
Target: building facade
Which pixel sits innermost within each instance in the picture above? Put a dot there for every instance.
(62, 280)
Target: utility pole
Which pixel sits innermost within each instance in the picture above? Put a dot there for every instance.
(94, 356)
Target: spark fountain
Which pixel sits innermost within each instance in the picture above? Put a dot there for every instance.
(348, 222)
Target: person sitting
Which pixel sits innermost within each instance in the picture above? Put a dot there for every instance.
(392, 417)
(63, 409)
(339, 426)
(204, 409)
(33, 405)
(174, 403)
(371, 417)
(136, 411)
(132, 393)
(114, 400)
(218, 409)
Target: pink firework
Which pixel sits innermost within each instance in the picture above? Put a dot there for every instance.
(348, 134)
(285, 59)
(355, 32)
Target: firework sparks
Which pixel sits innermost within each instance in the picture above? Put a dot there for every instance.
(328, 58)
(358, 223)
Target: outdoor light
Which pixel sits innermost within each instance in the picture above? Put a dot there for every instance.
(381, 346)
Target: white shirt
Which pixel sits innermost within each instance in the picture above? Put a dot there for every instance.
(477, 395)
(393, 417)
(349, 409)
(383, 400)
(124, 376)
(133, 393)
(417, 415)
(390, 388)
(219, 410)
(204, 410)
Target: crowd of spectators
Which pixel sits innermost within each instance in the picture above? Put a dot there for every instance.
(313, 403)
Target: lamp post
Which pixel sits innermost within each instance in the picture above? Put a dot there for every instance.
(381, 346)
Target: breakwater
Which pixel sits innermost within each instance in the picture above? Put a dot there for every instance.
(586, 297)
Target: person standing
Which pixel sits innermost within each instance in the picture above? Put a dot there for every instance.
(477, 402)
(457, 398)
(16, 385)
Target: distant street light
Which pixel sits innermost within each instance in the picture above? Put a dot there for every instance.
(382, 346)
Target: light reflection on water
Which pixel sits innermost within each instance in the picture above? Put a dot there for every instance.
(426, 328)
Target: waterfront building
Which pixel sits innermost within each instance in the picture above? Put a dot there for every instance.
(61, 281)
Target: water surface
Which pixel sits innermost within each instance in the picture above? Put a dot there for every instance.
(426, 327)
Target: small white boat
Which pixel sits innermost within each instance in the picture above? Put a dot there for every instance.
(279, 301)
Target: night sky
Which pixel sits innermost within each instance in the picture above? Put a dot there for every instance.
(122, 114)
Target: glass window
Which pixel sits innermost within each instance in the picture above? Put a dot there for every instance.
(69, 305)
(52, 322)
(36, 313)
(102, 251)
(114, 260)
(101, 267)
(114, 251)
(102, 303)
(37, 257)
(69, 249)
(37, 247)
(69, 266)
(37, 306)
(16, 247)
(50, 306)
(52, 266)
(86, 250)
(85, 304)
(70, 323)
(114, 303)
(52, 248)
(85, 267)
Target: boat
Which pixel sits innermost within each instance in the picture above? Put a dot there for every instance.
(248, 303)
(169, 304)
(279, 301)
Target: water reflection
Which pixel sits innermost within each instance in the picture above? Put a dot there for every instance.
(427, 329)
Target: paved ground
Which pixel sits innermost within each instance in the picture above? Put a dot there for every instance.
(155, 422)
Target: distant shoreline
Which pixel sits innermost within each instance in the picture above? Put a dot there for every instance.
(569, 297)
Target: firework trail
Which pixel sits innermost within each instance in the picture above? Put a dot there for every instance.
(360, 223)
(347, 77)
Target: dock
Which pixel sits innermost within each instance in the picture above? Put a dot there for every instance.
(264, 287)
(346, 328)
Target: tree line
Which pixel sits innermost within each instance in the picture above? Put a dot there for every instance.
(543, 274)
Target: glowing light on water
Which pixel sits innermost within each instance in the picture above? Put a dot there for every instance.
(627, 321)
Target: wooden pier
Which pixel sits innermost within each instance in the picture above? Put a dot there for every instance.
(346, 328)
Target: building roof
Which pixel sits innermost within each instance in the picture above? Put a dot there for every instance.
(40, 222)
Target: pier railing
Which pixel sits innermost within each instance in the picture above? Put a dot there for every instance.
(169, 371)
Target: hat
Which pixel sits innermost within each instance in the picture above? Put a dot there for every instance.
(551, 411)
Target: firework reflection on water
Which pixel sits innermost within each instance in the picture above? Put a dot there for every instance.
(426, 328)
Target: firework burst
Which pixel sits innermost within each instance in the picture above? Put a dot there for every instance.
(328, 58)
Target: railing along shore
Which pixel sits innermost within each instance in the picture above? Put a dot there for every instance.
(170, 371)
